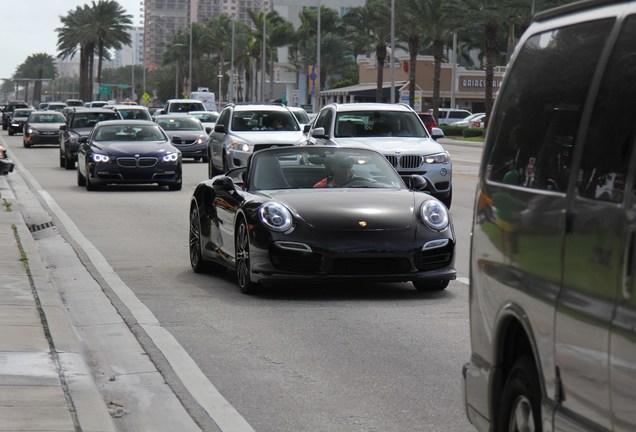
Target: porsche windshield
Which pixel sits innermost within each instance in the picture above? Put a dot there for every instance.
(321, 168)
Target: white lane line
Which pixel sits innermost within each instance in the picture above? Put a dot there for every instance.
(195, 381)
(463, 280)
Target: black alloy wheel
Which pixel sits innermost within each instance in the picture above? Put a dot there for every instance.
(243, 264)
(521, 399)
(90, 186)
(199, 265)
(69, 163)
(81, 180)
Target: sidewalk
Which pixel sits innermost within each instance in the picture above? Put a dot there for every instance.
(45, 384)
(68, 360)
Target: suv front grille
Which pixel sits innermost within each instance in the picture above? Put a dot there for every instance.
(406, 161)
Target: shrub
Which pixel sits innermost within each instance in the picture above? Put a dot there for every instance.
(473, 132)
(452, 130)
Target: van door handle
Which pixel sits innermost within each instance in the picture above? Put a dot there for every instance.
(628, 271)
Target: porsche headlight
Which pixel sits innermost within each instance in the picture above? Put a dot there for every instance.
(171, 157)
(240, 145)
(276, 216)
(439, 158)
(434, 214)
(100, 158)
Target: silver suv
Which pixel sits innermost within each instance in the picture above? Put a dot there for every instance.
(553, 251)
(241, 130)
(397, 132)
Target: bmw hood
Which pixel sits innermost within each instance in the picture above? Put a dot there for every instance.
(411, 145)
(150, 148)
(351, 209)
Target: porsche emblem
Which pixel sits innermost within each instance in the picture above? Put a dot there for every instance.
(362, 224)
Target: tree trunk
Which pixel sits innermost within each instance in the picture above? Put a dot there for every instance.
(380, 56)
(438, 49)
(414, 46)
(491, 46)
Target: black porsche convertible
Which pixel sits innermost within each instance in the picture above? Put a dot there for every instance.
(321, 214)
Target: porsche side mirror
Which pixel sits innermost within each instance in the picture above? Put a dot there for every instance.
(416, 182)
(224, 184)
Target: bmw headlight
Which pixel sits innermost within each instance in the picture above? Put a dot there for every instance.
(171, 157)
(100, 158)
(439, 158)
(276, 216)
(434, 214)
(239, 145)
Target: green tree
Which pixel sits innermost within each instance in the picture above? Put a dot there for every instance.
(491, 16)
(369, 26)
(111, 29)
(39, 66)
(76, 32)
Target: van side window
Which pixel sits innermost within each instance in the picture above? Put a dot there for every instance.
(611, 131)
(535, 126)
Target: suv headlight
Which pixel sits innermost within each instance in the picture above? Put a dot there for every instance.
(439, 158)
(240, 146)
(434, 214)
(32, 131)
(276, 216)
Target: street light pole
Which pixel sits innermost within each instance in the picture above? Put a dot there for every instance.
(190, 61)
(263, 57)
(316, 98)
(392, 96)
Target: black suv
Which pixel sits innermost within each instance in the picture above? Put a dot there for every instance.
(7, 112)
(79, 123)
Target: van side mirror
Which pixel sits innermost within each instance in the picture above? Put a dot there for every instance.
(219, 128)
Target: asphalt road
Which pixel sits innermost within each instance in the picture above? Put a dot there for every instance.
(377, 357)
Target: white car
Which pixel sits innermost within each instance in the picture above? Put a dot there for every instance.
(244, 129)
(207, 118)
(397, 132)
(466, 122)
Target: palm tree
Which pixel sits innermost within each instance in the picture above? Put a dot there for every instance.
(491, 16)
(76, 32)
(111, 29)
(38, 66)
(423, 21)
(367, 26)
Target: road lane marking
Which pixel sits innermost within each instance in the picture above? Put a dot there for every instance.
(198, 385)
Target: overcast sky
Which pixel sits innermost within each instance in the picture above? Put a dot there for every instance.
(28, 27)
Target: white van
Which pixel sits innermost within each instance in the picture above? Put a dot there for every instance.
(450, 115)
(553, 245)
(207, 97)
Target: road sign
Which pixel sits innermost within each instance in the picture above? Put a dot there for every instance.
(104, 89)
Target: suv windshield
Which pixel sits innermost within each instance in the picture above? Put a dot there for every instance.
(378, 123)
(89, 119)
(244, 121)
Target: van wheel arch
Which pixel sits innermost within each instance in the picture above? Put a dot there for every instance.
(514, 342)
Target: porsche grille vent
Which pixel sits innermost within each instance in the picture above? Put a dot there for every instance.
(131, 162)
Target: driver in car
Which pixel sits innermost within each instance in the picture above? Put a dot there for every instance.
(341, 173)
